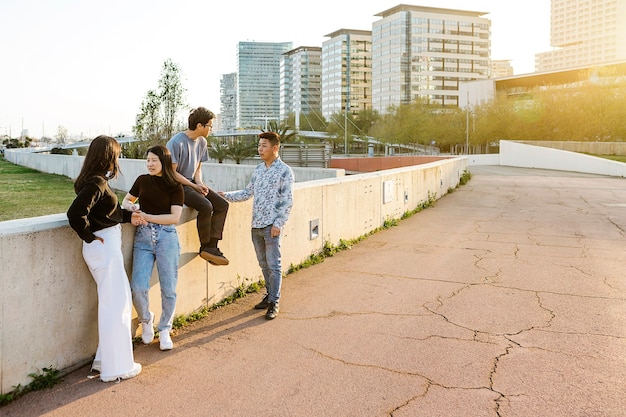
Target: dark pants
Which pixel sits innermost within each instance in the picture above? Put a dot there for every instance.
(212, 210)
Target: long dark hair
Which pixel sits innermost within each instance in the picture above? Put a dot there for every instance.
(167, 171)
(101, 160)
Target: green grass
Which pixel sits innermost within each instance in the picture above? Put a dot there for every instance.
(25, 192)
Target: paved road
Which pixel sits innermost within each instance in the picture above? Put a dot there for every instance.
(507, 298)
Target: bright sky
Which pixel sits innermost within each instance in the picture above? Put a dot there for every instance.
(86, 65)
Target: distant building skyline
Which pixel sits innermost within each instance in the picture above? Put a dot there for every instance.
(301, 83)
(258, 82)
(346, 72)
(584, 33)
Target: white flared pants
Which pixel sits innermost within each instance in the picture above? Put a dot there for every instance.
(106, 264)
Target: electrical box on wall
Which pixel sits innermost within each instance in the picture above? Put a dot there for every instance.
(387, 191)
(314, 229)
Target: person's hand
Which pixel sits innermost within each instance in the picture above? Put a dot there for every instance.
(136, 218)
(275, 231)
(202, 189)
(221, 193)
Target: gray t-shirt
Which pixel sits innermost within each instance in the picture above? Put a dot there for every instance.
(187, 153)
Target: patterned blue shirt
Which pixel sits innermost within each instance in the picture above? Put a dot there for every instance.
(272, 189)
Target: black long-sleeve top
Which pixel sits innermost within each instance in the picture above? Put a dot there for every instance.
(95, 208)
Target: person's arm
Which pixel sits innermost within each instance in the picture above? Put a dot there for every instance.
(241, 195)
(197, 177)
(285, 193)
(78, 212)
(170, 218)
(199, 187)
(129, 202)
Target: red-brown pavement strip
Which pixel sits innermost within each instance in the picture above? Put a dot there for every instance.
(507, 298)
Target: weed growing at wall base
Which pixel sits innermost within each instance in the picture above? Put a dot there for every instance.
(49, 378)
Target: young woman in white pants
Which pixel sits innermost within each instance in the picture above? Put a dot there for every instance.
(95, 215)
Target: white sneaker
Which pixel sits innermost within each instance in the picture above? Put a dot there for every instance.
(147, 330)
(165, 340)
(130, 374)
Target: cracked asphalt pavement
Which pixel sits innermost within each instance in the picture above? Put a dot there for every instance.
(507, 298)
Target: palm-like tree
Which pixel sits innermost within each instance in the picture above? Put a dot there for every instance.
(240, 150)
(282, 129)
(218, 150)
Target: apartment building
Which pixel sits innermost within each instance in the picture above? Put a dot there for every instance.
(584, 32)
(228, 102)
(258, 85)
(426, 52)
(346, 72)
(501, 68)
(301, 83)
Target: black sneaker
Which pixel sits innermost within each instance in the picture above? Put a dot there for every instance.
(263, 304)
(272, 311)
(214, 256)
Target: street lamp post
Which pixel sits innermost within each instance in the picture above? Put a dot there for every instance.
(467, 110)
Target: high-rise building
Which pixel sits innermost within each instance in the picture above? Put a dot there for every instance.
(258, 90)
(228, 102)
(584, 32)
(426, 52)
(501, 68)
(301, 83)
(346, 72)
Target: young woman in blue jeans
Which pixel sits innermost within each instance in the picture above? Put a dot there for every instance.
(160, 205)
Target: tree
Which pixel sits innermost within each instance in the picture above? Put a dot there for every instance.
(282, 129)
(61, 135)
(171, 94)
(239, 150)
(157, 117)
(217, 150)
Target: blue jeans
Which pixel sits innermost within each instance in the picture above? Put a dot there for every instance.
(267, 250)
(155, 242)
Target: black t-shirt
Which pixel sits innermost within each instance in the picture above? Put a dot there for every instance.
(155, 195)
(95, 208)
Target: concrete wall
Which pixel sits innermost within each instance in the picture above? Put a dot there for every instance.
(221, 177)
(531, 154)
(517, 154)
(48, 302)
(594, 148)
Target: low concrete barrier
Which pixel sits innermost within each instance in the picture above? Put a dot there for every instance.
(48, 315)
(527, 155)
(216, 176)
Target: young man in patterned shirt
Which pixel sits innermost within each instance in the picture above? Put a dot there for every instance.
(272, 187)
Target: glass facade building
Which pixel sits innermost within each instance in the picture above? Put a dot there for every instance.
(258, 88)
(228, 102)
(425, 52)
(301, 82)
(346, 72)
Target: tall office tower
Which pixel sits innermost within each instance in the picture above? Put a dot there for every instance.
(584, 32)
(301, 83)
(346, 72)
(228, 102)
(425, 52)
(258, 91)
(501, 68)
